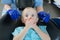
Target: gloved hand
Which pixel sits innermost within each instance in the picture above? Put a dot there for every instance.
(44, 16)
(14, 14)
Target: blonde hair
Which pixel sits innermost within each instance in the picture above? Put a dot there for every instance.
(28, 9)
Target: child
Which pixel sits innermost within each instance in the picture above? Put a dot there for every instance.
(31, 31)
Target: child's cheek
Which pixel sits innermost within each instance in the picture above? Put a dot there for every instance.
(25, 20)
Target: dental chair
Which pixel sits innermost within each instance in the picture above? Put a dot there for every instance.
(7, 26)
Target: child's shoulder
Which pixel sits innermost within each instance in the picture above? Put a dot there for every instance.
(43, 28)
(19, 28)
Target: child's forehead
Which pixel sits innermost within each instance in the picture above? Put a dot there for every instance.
(29, 11)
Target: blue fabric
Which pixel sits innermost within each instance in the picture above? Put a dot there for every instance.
(13, 6)
(44, 16)
(14, 14)
(38, 3)
(31, 34)
(6, 1)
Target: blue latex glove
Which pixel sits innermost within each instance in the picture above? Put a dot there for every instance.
(44, 16)
(14, 14)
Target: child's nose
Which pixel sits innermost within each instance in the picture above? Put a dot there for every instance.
(30, 17)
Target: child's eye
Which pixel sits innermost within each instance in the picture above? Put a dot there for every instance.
(26, 15)
(32, 15)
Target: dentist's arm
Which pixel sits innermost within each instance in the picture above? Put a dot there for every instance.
(7, 4)
(39, 5)
(39, 8)
(7, 7)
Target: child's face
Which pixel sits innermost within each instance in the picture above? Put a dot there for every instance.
(30, 14)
